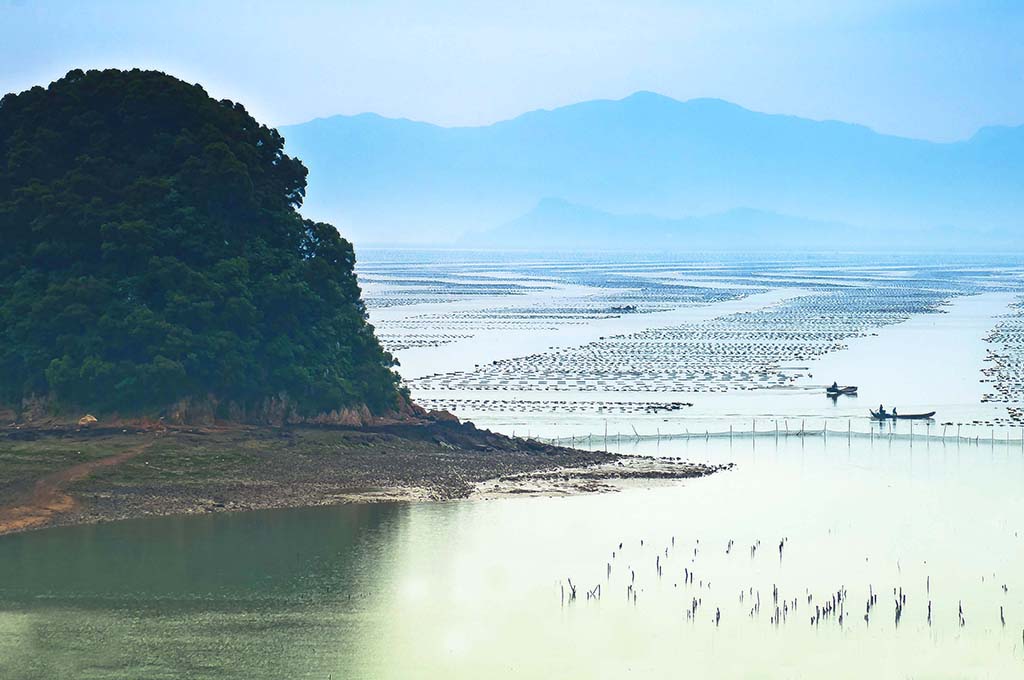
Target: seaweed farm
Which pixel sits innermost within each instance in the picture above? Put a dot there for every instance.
(505, 339)
(1005, 363)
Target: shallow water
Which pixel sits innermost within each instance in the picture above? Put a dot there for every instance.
(477, 588)
(480, 589)
(736, 339)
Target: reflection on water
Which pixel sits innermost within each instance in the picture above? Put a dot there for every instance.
(243, 595)
(475, 589)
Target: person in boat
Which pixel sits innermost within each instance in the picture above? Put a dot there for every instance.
(881, 410)
(835, 386)
(893, 411)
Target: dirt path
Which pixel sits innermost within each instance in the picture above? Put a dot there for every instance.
(48, 497)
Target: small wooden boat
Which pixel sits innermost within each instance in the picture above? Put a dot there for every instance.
(901, 416)
(842, 389)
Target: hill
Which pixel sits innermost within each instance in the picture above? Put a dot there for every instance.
(393, 180)
(154, 261)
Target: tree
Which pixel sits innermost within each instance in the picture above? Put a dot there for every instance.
(152, 250)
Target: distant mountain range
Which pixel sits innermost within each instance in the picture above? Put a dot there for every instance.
(614, 165)
(557, 224)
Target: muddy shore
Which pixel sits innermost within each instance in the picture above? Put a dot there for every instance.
(67, 475)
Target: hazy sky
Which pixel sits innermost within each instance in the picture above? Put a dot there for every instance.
(934, 69)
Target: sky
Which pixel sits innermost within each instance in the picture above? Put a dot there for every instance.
(930, 69)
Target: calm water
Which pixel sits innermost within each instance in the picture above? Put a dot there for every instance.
(541, 344)
(475, 589)
(479, 589)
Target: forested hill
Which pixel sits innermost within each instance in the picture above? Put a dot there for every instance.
(152, 254)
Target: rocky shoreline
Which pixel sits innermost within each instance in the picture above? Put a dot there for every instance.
(67, 475)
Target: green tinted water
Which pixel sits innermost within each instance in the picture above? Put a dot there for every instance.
(478, 589)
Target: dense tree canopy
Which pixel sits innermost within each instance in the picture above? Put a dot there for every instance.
(151, 250)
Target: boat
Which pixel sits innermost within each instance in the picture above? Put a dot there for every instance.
(901, 416)
(842, 389)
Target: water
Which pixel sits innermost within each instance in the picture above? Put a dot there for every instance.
(476, 588)
(480, 588)
(739, 338)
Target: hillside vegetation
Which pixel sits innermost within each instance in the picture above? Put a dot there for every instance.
(153, 255)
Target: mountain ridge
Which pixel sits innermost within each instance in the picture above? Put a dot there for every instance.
(408, 181)
(642, 94)
(558, 224)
